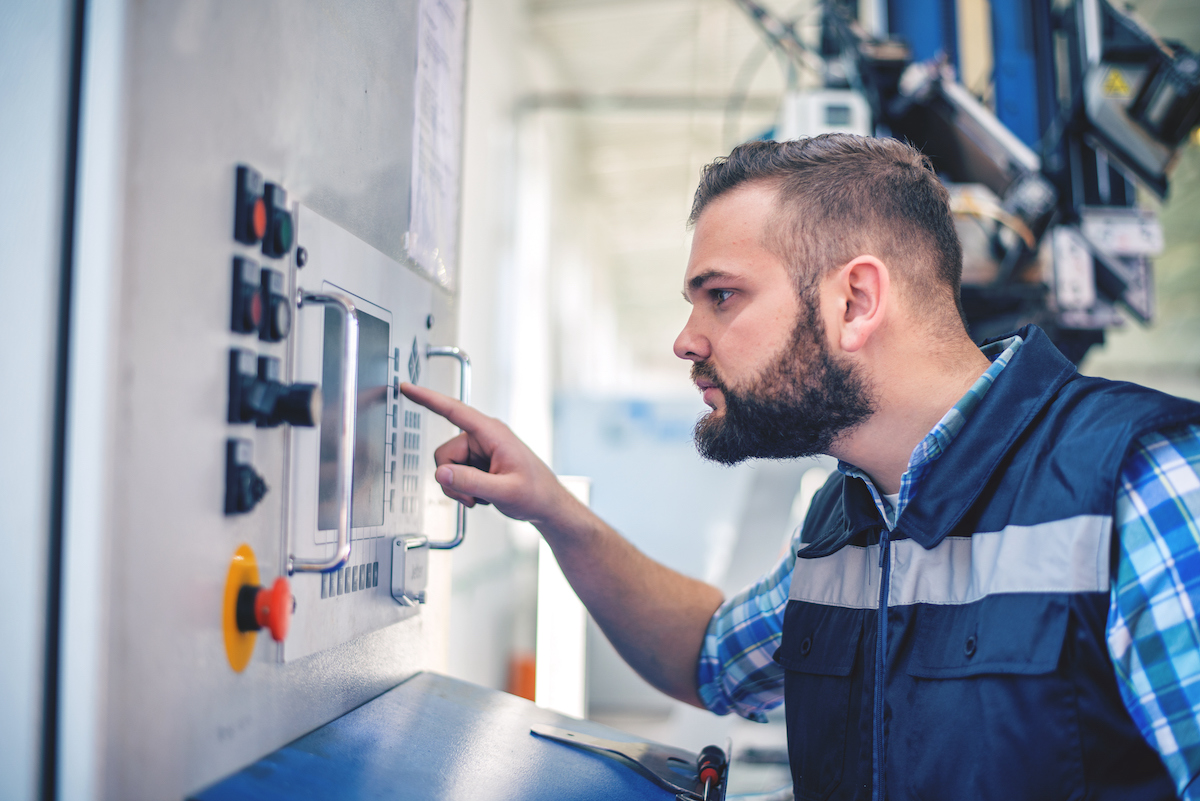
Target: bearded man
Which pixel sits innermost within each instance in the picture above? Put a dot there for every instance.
(994, 597)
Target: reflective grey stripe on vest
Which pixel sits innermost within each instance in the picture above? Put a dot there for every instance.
(1070, 555)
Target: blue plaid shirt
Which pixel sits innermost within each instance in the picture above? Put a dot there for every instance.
(1153, 626)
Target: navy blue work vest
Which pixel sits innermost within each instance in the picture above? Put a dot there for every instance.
(997, 682)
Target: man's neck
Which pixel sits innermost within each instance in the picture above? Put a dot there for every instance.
(915, 390)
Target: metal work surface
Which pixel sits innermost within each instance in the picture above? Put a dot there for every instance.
(436, 737)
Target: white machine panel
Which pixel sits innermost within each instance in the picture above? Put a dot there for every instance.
(823, 111)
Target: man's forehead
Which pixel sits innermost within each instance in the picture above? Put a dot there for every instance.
(753, 199)
(730, 238)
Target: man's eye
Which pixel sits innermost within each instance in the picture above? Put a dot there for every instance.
(721, 295)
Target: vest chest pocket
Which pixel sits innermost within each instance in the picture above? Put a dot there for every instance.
(1019, 634)
(982, 711)
(823, 694)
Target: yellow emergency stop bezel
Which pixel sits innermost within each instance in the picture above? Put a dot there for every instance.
(239, 645)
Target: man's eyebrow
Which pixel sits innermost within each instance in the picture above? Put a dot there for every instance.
(699, 280)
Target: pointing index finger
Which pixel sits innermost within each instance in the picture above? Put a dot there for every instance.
(457, 412)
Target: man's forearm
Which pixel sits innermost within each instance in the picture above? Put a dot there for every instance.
(654, 616)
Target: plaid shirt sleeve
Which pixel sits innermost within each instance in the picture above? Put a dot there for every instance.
(1153, 630)
(737, 671)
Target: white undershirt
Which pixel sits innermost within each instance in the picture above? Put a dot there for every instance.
(892, 502)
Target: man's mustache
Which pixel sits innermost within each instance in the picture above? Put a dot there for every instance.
(706, 371)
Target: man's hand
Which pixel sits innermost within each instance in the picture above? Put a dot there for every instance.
(654, 616)
(487, 463)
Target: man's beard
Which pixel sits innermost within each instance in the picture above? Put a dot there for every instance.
(797, 407)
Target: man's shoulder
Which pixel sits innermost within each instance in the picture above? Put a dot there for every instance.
(1098, 401)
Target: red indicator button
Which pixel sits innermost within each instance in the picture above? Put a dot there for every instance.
(258, 218)
(250, 210)
(255, 311)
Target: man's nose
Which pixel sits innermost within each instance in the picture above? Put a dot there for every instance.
(690, 344)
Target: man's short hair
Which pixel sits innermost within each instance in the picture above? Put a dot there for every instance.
(842, 196)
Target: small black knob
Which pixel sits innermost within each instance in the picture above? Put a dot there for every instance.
(299, 405)
(275, 403)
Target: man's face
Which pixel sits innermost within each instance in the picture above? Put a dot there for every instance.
(759, 351)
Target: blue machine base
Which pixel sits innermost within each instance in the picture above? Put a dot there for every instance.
(433, 737)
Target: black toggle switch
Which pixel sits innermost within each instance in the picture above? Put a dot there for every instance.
(247, 296)
(274, 402)
(280, 232)
(250, 209)
(257, 395)
(277, 311)
(244, 487)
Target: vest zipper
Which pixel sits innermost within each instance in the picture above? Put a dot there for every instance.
(877, 745)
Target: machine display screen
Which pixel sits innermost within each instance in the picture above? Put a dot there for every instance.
(371, 432)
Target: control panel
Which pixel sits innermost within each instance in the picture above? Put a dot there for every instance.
(325, 329)
(394, 311)
(258, 396)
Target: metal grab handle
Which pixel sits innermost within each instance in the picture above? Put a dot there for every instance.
(464, 395)
(345, 449)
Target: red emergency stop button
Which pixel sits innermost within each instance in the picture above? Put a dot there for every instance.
(273, 609)
(262, 608)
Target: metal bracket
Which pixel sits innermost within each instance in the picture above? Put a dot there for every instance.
(410, 569)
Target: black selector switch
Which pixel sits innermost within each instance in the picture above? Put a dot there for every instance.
(250, 209)
(299, 405)
(280, 232)
(244, 487)
(247, 296)
(277, 311)
(274, 402)
(243, 378)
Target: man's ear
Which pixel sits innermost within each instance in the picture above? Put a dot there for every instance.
(862, 290)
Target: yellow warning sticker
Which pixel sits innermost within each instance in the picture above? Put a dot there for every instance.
(1115, 85)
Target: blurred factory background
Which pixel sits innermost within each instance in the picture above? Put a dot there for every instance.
(587, 146)
(585, 126)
